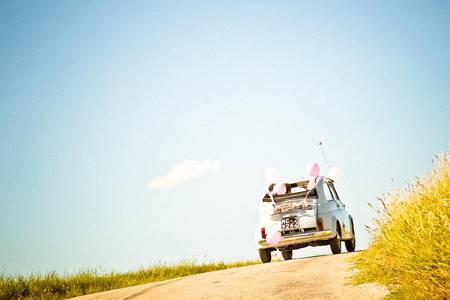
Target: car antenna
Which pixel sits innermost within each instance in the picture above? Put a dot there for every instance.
(324, 156)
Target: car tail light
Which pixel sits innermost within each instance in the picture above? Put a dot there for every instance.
(320, 224)
(263, 232)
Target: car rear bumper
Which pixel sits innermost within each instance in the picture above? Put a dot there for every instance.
(302, 238)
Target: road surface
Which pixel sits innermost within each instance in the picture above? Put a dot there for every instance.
(322, 277)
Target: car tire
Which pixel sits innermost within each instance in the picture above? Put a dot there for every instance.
(265, 255)
(335, 243)
(350, 245)
(287, 254)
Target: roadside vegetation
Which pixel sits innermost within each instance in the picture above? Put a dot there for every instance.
(55, 286)
(410, 244)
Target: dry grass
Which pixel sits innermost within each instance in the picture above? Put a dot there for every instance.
(410, 246)
(54, 286)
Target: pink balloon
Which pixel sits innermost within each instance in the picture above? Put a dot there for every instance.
(274, 239)
(279, 189)
(313, 169)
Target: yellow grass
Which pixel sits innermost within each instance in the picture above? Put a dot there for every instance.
(410, 244)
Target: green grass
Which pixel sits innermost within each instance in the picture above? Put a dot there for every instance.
(410, 244)
(55, 286)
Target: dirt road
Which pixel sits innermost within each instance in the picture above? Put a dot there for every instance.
(320, 277)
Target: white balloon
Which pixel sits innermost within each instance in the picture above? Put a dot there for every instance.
(335, 173)
(273, 175)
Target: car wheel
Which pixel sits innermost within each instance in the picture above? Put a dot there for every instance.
(335, 243)
(287, 254)
(265, 255)
(351, 244)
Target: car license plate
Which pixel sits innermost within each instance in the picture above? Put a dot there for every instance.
(289, 223)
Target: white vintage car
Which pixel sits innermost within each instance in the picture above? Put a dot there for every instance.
(307, 217)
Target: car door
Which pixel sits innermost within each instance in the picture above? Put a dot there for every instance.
(343, 212)
(331, 205)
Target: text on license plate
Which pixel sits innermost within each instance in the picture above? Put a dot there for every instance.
(289, 223)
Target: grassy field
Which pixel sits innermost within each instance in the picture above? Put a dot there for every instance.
(410, 246)
(54, 286)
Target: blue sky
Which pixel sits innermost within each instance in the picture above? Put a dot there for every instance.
(98, 98)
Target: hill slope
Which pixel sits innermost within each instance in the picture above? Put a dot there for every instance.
(321, 277)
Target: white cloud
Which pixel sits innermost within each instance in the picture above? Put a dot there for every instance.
(183, 172)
